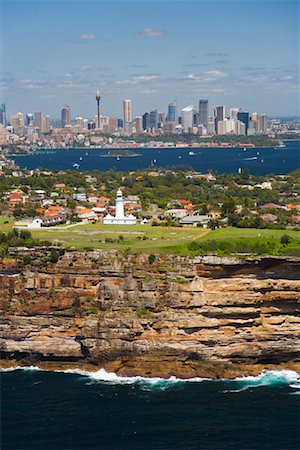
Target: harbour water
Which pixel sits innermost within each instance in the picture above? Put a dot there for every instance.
(259, 161)
(81, 410)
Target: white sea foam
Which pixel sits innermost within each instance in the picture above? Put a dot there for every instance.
(265, 378)
(269, 378)
(112, 378)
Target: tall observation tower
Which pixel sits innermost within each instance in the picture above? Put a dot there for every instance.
(98, 96)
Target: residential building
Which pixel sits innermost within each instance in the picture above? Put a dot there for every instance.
(127, 115)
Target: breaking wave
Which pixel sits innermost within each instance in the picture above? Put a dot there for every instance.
(265, 378)
(268, 378)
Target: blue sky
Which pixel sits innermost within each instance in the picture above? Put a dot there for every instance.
(236, 53)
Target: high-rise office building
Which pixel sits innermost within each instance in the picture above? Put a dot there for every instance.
(172, 112)
(243, 116)
(3, 113)
(203, 112)
(139, 124)
(195, 119)
(29, 119)
(127, 115)
(98, 97)
(187, 118)
(219, 115)
(153, 120)
(38, 120)
(233, 112)
(65, 116)
(46, 124)
(21, 119)
(146, 121)
(15, 123)
(262, 123)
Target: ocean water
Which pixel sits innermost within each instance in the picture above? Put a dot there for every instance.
(259, 161)
(81, 410)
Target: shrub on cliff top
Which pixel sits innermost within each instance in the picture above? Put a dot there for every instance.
(142, 312)
(151, 258)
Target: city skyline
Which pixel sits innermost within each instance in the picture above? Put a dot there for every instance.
(144, 52)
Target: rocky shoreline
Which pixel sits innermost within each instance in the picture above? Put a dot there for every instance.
(206, 317)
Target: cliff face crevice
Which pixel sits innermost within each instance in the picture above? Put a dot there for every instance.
(187, 317)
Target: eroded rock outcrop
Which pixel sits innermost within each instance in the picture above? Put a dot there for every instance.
(178, 316)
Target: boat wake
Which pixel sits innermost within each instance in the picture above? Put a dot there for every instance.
(266, 378)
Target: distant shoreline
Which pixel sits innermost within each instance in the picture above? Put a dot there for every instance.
(220, 147)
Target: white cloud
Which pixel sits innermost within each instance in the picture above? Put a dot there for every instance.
(207, 77)
(153, 32)
(87, 36)
(145, 77)
(148, 92)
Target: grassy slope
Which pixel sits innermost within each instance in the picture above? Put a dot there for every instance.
(5, 227)
(159, 239)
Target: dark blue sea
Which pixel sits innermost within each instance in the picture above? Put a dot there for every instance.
(259, 161)
(59, 410)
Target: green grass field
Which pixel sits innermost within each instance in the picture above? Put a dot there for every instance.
(154, 239)
(6, 223)
(234, 233)
(137, 237)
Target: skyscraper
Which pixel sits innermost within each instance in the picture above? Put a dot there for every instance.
(29, 119)
(46, 125)
(139, 124)
(243, 116)
(3, 113)
(65, 116)
(153, 120)
(187, 117)
(233, 112)
(38, 119)
(172, 112)
(127, 115)
(98, 96)
(146, 121)
(203, 112)
(262, 123)
(219, 114)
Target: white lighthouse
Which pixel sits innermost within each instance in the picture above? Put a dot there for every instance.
(119, 218)
(119, 205)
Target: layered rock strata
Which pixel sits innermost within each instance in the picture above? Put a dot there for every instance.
(209, 316)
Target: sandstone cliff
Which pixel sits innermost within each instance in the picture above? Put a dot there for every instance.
(205, 316)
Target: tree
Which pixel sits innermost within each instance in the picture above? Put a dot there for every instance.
(228, 206)
(285, 239)
(54, 256)
(151, 258)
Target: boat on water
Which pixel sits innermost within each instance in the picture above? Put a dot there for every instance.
(76, 166)
(80, 159)
(191, 153)
(118, 158)
(281, 145)
(86, 154)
